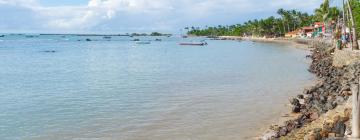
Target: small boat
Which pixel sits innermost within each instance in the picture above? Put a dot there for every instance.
(107, 37)
(194, 44)
(158, 39)
(136, 40)
(184, 36)
(29, 36)
(2, 35)
(143, 42)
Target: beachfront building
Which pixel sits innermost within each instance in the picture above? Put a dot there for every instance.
(293, 34)
(307, 31)
(319, 29)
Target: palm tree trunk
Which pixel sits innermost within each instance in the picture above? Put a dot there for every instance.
(355, 45)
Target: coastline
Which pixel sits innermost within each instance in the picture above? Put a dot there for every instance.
(267, 131)
(297, 43)
(322, 110)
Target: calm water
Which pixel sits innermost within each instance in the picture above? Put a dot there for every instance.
(161, 91)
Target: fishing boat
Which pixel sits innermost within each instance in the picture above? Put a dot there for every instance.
(107, 37)
(143, 42)
(202, 43)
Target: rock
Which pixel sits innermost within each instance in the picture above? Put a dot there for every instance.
(296, 109)
(330, 105)
(295, 102)
(268, 136)
(310, 137)
(332, 135)
(339, 129)
(317, 134)
(283, 131)
(314, 116)
(347, 113)
(339, 99)
(300, 96)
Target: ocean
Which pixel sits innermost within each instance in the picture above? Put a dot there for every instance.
(64, 87)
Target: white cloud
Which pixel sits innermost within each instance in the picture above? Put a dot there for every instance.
(119, 15)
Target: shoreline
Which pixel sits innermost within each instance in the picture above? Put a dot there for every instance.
(267, 131)
(297, 43)
(322, 110)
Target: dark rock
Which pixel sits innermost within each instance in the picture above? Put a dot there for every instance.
(296, 109)
(339, 128)
(295, 102)
(300, 96)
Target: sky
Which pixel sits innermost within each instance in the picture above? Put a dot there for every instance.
(122, 16)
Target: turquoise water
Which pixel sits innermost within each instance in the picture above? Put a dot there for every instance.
(121, 90)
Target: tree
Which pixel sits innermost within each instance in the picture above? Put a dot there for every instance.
(354, 37)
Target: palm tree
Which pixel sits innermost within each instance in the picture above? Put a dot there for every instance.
(281, 12)
(355, 45)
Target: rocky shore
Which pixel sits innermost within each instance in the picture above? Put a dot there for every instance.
(321, 110)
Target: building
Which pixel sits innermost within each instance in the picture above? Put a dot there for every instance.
(307, 31)
(293, 34)
(319, 29)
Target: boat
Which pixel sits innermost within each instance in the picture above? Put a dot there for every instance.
(158, 39)
(143, 42)
(2, 35)
(30, 36)
(107, 37)
(202, 43)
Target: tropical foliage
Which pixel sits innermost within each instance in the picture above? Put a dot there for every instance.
(355, 6)
(287, 20)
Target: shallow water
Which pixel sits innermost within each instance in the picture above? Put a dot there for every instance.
(55, 87)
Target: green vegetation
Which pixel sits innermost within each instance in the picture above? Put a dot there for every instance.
(288, 20)
(355, 6)
(156, 34)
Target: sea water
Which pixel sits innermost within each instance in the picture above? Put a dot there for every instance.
(64, 87)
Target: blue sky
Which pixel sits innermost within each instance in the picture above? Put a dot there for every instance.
(120, 16)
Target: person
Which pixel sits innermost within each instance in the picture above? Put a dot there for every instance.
(343, 40)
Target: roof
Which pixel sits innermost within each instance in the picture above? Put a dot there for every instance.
(293, 32)
(308, 28)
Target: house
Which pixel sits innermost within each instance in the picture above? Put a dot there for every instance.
(293, 34)
(307, 31)
(319, 28)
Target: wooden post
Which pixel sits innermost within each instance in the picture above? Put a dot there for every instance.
(355, 111)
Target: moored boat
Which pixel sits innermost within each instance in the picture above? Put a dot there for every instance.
(193, 44)
(143, 42)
